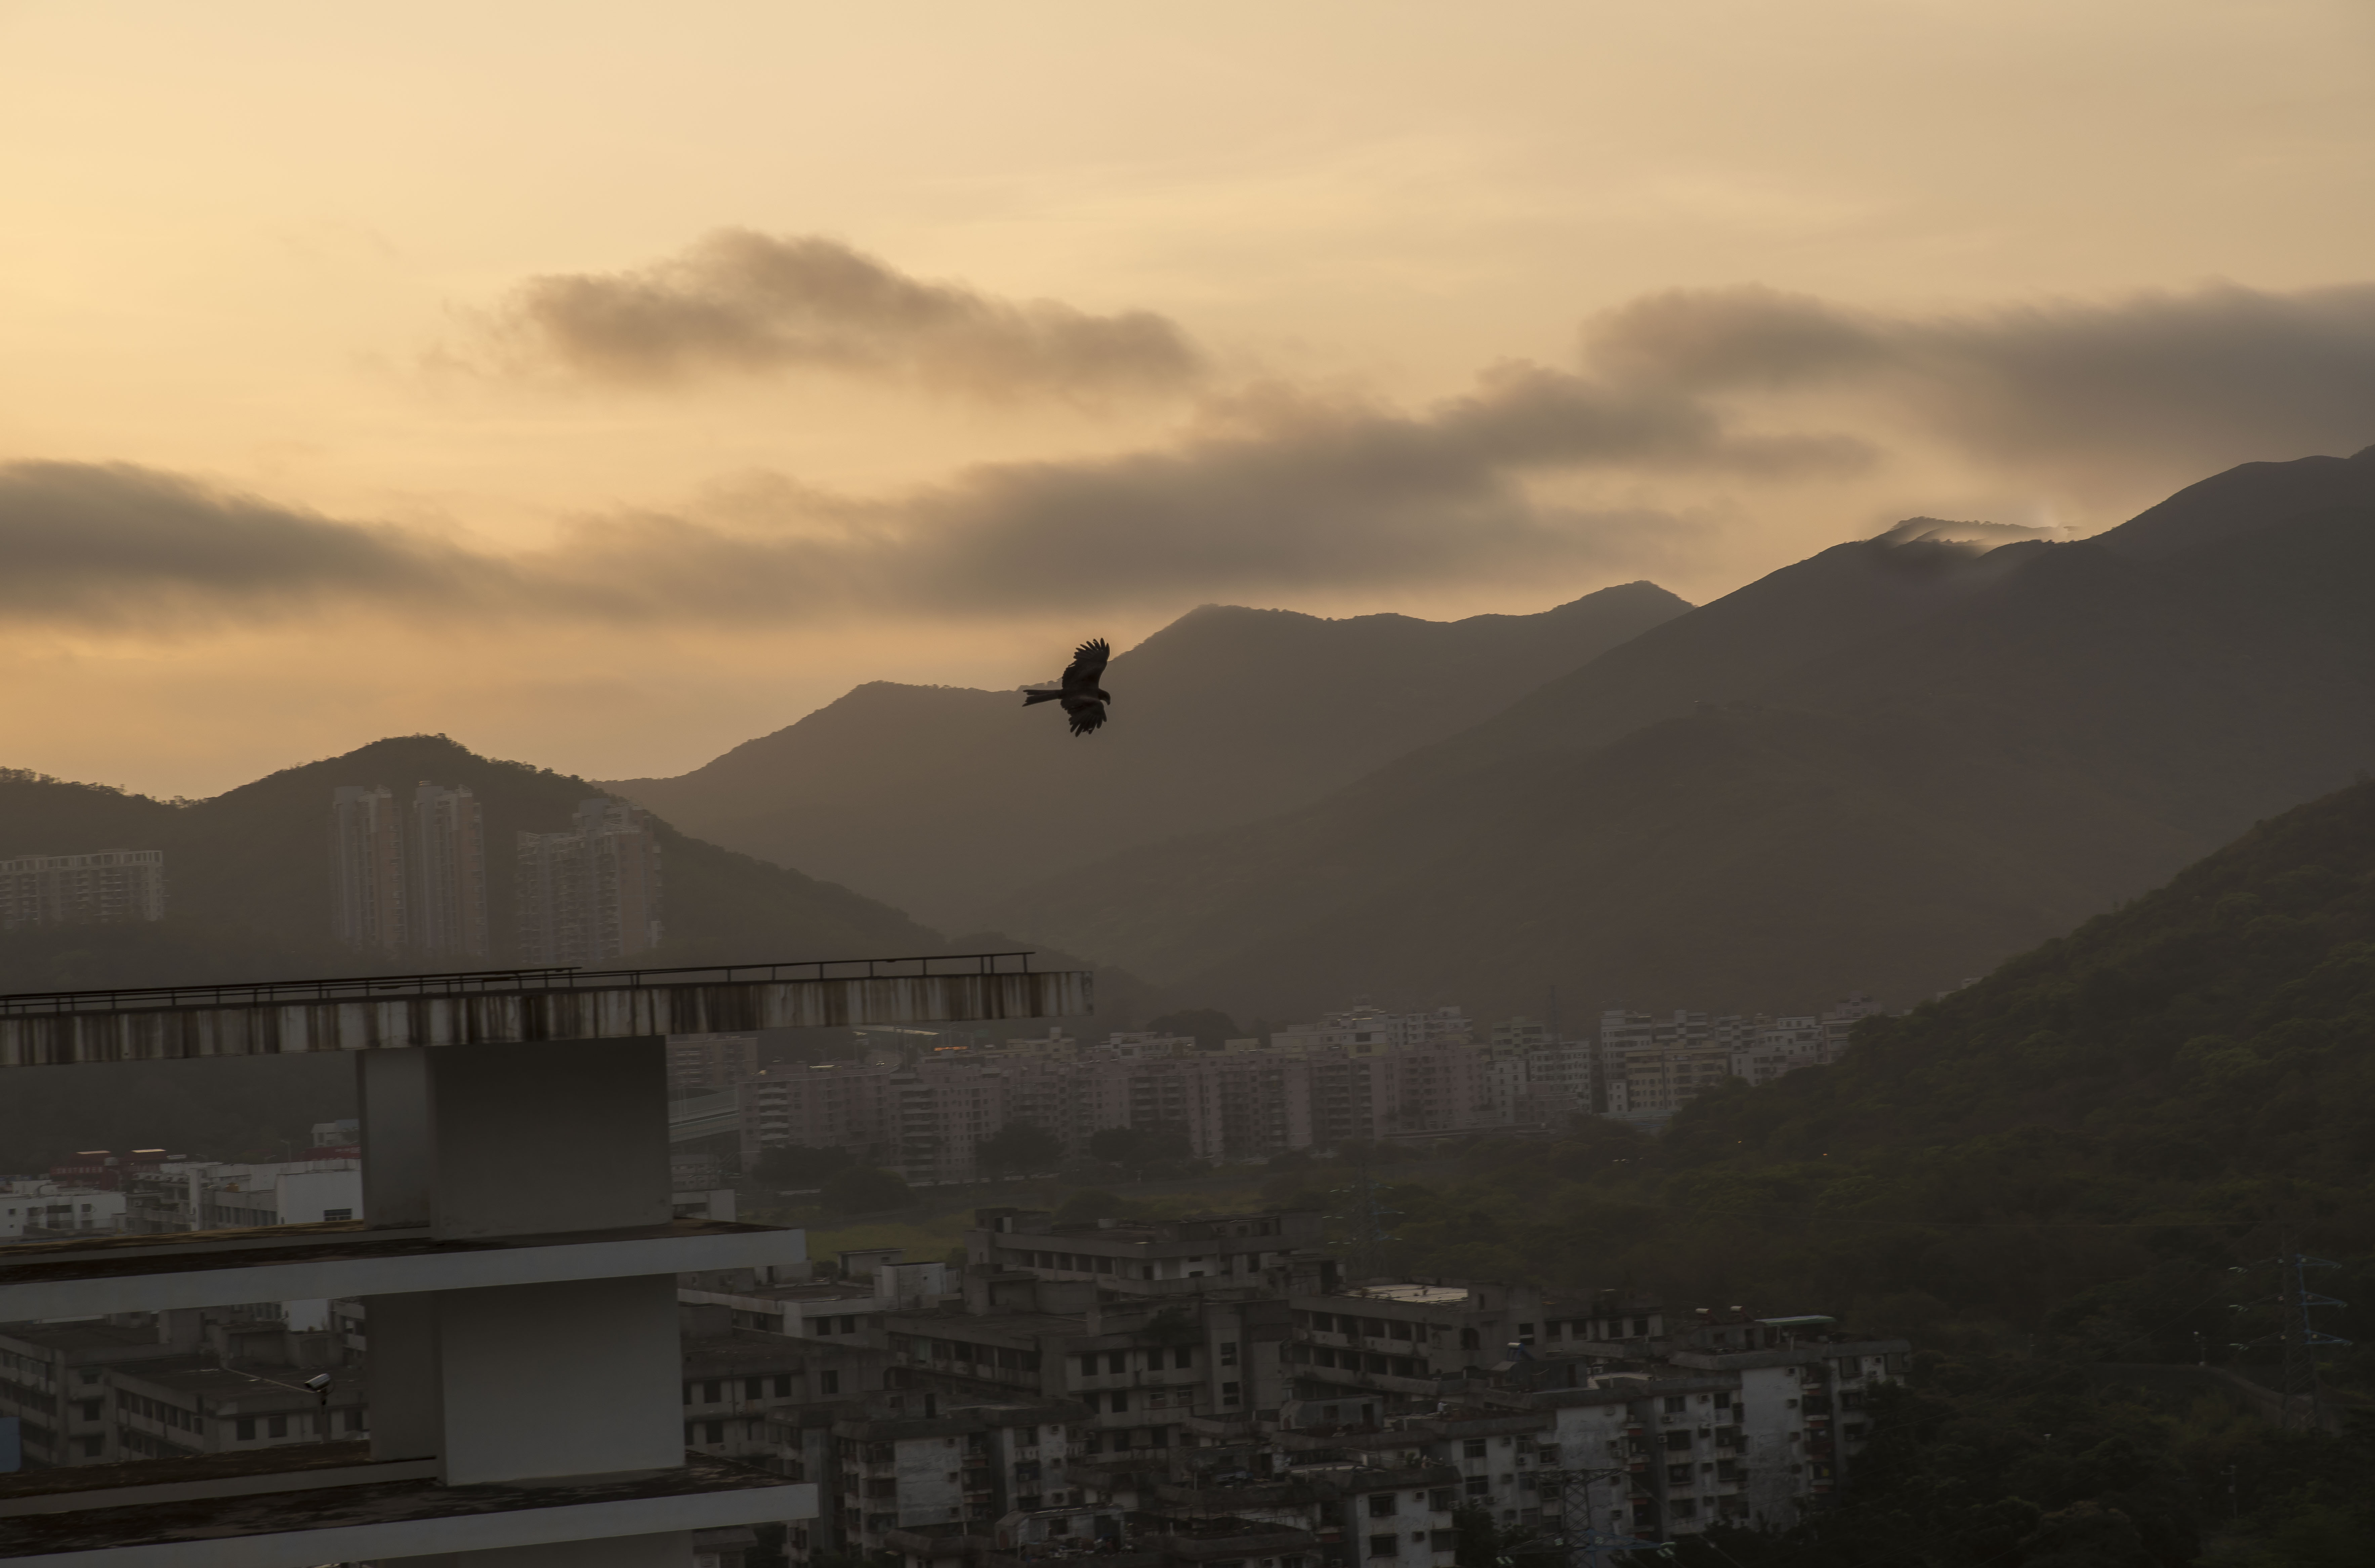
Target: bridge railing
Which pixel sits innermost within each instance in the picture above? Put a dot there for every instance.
(503, 982)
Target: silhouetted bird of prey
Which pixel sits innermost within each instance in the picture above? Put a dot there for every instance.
(1085, 701)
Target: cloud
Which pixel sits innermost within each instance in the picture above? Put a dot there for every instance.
(743, 302)
(1276, 492)
(2194, 380)
(1679, 401)
(113, 545)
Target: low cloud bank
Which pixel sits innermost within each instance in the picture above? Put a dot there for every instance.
(1277, 492)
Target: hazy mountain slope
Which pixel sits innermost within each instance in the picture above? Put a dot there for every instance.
(247, 873)
(1956, 759)
(941, 799)
(2214, 1030)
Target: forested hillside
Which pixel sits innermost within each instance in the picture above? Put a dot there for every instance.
(2088, 1158)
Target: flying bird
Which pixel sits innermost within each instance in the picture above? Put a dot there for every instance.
(1084, 701)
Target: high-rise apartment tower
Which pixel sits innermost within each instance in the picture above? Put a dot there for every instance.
(409, 883)
(590, 895)
(108, 888)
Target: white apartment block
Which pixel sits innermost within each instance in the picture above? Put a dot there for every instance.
(111, 887)
(32, 1210)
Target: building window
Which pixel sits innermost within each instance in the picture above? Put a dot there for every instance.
(1117, 1362)
(1678, 1442)
(1474, 1448)
(1385, 1546)
(828, 1382)
(1479, 1486)
(1676, 1404)
(244, 1431)
(1229, 1353)
(1232, 1394)
(355, 1419)
(714, 1431)
(1381, 1504)
(754, 1388)
(783, 1384)
(1185, 1357)
(711, 1392)
(277, 1426)
(330, 1214)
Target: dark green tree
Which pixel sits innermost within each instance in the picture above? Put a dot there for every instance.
(1137, 1148)
(1018, 1149)
(790, 1165)
(863, 1189)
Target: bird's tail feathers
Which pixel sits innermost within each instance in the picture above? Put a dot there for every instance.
(1030, 696)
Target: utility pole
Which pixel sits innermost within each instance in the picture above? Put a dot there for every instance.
(2302, 1338)
(2298, 1336)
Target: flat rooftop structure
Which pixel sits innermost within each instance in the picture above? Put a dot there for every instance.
(492, 1007)
(1411, 1294)
(97, 1276)
(284, 1508)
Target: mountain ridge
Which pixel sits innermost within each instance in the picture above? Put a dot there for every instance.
(2129, 708)
(1224, 716)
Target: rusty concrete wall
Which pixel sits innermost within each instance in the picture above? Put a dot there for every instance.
(158, 1034)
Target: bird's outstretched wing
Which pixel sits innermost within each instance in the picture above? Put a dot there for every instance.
(1088, 666)
(1086, 713)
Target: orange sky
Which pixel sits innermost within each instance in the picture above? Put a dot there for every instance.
(1059, 319)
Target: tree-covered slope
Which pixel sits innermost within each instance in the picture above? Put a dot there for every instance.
(2207, 1050)
(2086, 1141)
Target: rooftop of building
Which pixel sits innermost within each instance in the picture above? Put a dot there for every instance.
(235, 1389)
(1415, 1294)
(750, 1352)
(1189, 1227)
(73, 1339)
(309, 1504)
(953, 1322)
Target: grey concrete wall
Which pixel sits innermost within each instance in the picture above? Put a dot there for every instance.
(556, 1136)
(392, 1106)
(579, 1379)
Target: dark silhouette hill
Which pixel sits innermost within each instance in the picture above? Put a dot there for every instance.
(248, 876)
(928, 795)
(1885, 768)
